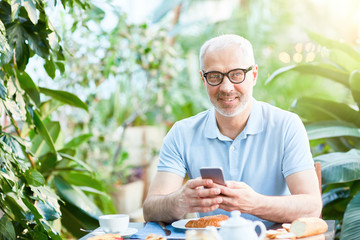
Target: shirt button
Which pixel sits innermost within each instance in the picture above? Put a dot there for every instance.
(232, 148)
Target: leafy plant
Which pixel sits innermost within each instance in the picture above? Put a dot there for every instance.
(126, 76)
(41, 180)
(334, 131)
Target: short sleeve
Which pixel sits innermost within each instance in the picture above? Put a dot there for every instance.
(171, 153)
(297, 154)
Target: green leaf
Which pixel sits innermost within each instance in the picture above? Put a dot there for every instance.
(46, 211)
(340, 166)
(328, 71)
(338, 144)
(10, 141)
(330, 129)
(3, 91)
(355, 85)
(17, 40)
(7, 230)
(82, 179)
(16, 204)
(77, 141)
(39, 145)
(47, 163)
(350, 229)
(47, 202)
(29, 86)
(81, 163)
(314, 109)
(92, 190)
(37, 38)
(68, 151)
(336, 208)
(5, 12)
(43, 131)
(48, 107)
(53, 38)
(344, 60)
(333, 44)
(76, 197)
(32, 208)
(65, 97)
(31, 10)
(60, 66)
(4, 46)
(34, 178)
(335, 194)
(74, 218)
(15, 8)
(44, 225)
(50, 68)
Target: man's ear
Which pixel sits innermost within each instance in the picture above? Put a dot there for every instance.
(202, 77)
(255, 73)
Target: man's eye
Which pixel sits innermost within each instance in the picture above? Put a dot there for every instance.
(215, 75)
(236, 74)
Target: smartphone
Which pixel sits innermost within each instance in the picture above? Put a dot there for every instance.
(213, 173)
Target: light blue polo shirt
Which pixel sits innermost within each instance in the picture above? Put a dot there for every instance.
(272, 146)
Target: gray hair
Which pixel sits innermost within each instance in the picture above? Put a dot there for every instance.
(224, 41)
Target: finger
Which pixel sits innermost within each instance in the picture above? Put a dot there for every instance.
(227, 207)
(205, 209)
(227, 192)
(205, 202)
(197, 182)
(208, 192)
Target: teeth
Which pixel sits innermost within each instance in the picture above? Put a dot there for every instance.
(229, 99)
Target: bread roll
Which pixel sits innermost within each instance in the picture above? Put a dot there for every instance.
(272, 234)
(206, 221)
(286, 226)
(309, 226)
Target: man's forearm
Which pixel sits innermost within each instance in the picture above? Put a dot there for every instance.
(165, 208)
(287, 208)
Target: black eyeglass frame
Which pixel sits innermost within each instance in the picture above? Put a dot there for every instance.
(227, 74)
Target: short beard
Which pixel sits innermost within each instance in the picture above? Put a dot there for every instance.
(242, 106)
(239, 110)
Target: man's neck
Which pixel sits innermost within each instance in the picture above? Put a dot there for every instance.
(233, 126)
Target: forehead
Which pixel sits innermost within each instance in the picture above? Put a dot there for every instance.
(226, 58)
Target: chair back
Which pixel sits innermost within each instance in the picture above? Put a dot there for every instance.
(318, 173)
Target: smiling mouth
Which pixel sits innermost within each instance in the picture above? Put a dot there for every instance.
(227, 99)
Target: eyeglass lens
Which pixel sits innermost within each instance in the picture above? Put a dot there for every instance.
(236, 75)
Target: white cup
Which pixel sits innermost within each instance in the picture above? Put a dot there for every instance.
(114, 223)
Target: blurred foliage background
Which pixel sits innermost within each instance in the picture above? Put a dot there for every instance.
(129, 65)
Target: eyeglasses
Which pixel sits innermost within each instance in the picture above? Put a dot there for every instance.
(235, 76)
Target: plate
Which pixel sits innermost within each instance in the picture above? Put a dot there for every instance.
(127, 232)
(180, 224)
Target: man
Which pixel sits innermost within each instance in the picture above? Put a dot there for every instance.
(263, 150)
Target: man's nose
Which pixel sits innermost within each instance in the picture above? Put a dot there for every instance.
(226, 85)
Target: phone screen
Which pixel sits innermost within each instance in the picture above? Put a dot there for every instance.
(213, 173)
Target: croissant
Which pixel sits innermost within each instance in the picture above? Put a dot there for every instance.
(207, 221)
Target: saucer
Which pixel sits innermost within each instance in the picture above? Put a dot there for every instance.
(127, 232)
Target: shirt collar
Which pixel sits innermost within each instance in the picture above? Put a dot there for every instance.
(253, 126)
(256, 119)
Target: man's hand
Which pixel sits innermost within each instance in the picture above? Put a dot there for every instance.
(304, 201)
(199, 195)
(238, 196)
(169, 199)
